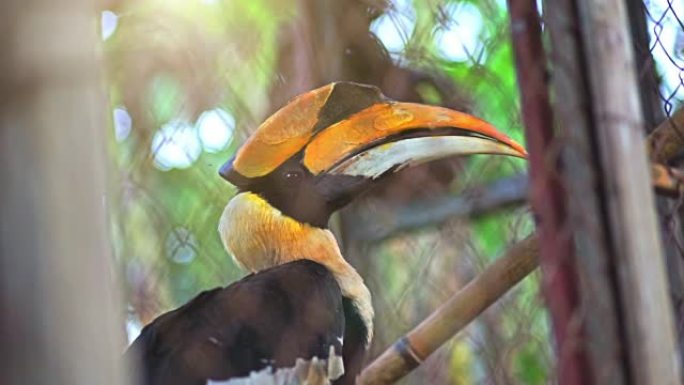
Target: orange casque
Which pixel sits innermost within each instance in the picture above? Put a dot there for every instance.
(291, 129)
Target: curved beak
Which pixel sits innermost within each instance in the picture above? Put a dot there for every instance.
(388, 136)
(347, 135)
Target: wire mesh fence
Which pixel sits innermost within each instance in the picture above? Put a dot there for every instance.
(665, 25)
(189, 82)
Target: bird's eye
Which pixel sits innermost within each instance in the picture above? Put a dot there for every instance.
(293, 175)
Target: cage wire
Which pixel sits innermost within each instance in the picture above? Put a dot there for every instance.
(189, 82)
(665, 24)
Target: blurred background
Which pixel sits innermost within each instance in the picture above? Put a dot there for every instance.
(188, 81)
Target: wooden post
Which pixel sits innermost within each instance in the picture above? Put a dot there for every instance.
(60, 322)
(548, 196)
(598, 313)
(618, 126)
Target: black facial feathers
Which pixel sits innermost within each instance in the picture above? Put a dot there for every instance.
(346, 99)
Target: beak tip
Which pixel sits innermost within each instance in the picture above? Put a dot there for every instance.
(225, 170)
(230, 174)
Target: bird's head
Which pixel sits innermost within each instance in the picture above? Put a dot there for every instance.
(323, 149)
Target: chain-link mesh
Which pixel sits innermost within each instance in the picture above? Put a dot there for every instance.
(665, 19)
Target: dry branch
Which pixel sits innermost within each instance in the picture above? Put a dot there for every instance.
(667, 180)
(409, 351)
(668, 138)
(387, 220)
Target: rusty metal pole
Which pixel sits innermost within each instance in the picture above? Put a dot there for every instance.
(547, 195)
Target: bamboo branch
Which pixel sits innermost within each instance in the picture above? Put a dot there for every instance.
(409, 351)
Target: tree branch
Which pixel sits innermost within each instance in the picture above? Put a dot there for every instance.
(388, 220)
(507, 192)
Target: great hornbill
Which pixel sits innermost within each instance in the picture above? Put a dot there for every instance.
(303, 299)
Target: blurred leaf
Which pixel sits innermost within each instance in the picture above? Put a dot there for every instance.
(166, 95)
(490, 235)
(462, 362)
(529, 367)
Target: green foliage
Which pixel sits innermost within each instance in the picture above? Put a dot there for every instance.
(165, 98)
(462, 363)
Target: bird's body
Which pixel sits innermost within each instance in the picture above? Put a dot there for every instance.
(268, 319)
(303, 300)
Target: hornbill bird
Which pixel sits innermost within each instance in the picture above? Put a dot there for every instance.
(302, 300)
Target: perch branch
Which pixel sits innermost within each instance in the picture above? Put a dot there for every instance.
(409, 351)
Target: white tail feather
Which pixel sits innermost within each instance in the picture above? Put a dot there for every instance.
(305, 372)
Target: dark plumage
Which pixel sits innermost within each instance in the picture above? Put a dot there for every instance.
(289, 311)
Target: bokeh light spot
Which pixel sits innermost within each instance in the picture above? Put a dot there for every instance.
(122, 124)
(133, 329)
(175, 145)
(181, 245)
(395, 27)
(109, 22)
(215, 128)
(460, 40)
